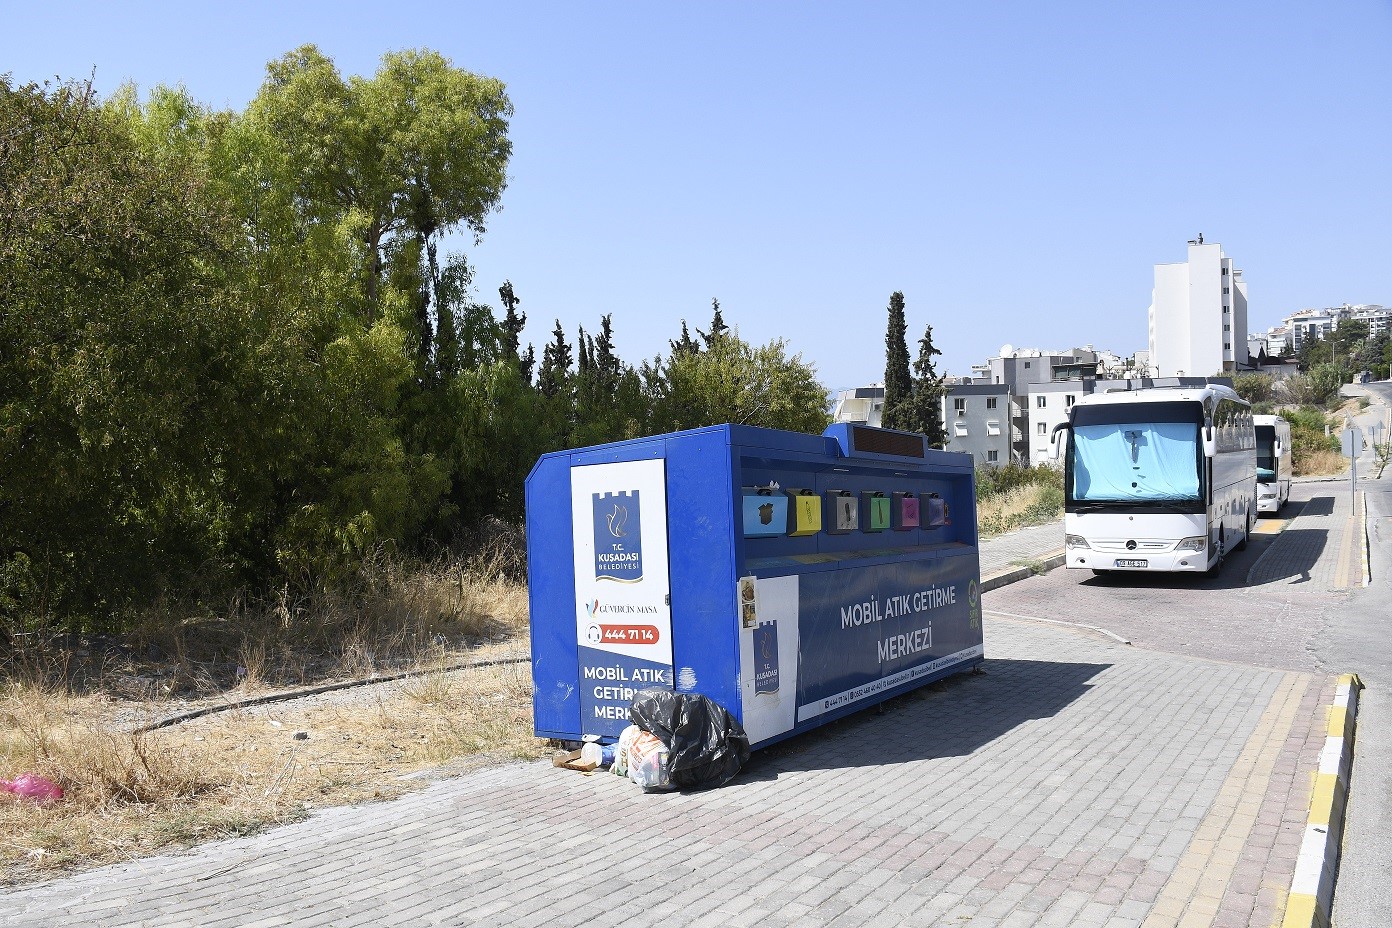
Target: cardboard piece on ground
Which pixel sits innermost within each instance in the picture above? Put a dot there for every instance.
(572, 761)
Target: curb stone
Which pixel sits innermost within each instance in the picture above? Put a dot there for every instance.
(1016, 574)
(1312, 886)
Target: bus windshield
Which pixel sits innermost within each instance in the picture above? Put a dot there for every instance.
(1136, 453)
(1266, 453)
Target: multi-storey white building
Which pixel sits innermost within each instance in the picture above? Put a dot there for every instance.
(1311, 323)
(1198, 315)
(1275, 341)
(1319, 323)
(979, 419)
(1379, 318)
(1050, 404)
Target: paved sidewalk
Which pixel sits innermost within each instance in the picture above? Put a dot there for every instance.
(1323, 546)
(1026, 544)
(1078, 782)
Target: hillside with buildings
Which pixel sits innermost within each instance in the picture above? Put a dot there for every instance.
(1006, 409)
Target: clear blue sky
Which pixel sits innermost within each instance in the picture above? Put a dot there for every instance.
(1015, 168)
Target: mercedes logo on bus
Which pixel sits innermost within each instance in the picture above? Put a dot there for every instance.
(1131, 545)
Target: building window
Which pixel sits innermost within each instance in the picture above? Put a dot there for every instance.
(1041, 429)
(1041, 401)
(1068, 401)
(1227, 328)
(992, 456)
(990, 402)
(1225, 289)
(960, 404)
(1027, 364)
(1227, 346)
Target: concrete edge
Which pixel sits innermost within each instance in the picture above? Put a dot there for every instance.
(1011, 575)
(1367, 563)
(1312, 887)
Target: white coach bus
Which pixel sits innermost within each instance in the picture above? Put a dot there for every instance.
(1159, 479)
(1273, 462)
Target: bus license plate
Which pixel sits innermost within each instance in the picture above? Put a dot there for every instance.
(1131, 562)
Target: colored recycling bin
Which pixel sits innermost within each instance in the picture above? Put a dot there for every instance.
(784, 576)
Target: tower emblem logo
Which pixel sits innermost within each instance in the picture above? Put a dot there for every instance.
(618, 536)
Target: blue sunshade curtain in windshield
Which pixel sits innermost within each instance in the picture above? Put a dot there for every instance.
(1135, 461)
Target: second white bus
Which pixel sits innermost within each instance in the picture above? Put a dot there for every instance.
(1273, 462)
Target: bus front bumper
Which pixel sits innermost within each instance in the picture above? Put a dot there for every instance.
(1086, 558)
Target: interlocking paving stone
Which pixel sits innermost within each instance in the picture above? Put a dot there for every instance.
(1075, 783)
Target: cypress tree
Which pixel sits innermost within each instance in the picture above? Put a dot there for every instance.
(898, 385)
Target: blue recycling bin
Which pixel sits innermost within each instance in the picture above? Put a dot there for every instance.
(696, 561)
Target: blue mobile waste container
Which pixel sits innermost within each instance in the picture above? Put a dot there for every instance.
(717, 561)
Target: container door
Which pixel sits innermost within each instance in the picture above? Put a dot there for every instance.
(623, 614)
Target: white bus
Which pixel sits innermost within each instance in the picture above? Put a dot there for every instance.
(1273, 462)
(1160, 479)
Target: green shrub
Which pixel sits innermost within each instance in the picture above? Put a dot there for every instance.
(994, 481)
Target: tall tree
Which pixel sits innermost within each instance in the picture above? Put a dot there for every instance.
(717, 327)
(141, 376)
(733, 381)
(923, 412)
(686, 344)
(898, 385)
(402, 158)
(555, 364)
(513, 320)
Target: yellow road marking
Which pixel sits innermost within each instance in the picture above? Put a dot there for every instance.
(1348, 552)
(1196, 887)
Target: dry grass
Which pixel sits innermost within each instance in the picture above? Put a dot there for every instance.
(238, 771)
(68, 715)
(1320, 464)
(1030, 504)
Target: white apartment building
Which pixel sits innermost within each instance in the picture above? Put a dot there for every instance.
(1318, 323)
(1049, 405)
(1311, 323)
(1198, 315)
(1379, 318)
(979, 420)
(1275, 341)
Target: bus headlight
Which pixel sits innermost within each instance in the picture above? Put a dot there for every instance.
(1192, 544)
(1075, 541)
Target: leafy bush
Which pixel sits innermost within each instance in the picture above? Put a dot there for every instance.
(994, 481)
(1254, 388)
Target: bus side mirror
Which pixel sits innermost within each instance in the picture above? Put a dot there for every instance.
(1056, 440)
(1210, 447)
(1279, 449)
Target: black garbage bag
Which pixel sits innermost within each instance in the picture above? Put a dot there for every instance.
(706, 746)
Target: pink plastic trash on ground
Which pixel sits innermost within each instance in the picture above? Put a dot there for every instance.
(33, 786)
